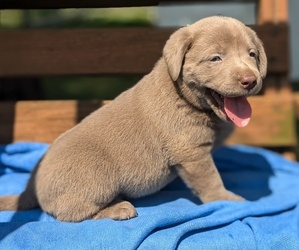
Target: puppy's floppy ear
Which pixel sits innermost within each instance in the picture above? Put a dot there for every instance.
(175, 50)
(262, 58)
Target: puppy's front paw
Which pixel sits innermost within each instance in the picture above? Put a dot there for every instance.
(224, 195)
(234, 197)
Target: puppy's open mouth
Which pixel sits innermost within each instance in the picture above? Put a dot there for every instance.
(237, 109)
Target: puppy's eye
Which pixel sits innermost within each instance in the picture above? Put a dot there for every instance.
(252, 54)
(216, 59)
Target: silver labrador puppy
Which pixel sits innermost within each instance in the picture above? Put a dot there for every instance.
(164, 126)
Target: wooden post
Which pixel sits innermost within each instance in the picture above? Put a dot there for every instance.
(272, 11)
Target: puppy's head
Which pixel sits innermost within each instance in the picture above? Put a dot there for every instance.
(217, 61)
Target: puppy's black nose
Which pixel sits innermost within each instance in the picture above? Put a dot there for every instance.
(248, 81)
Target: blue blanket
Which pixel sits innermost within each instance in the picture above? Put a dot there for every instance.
(172, 218)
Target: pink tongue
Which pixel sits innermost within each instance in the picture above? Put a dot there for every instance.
(238, 110)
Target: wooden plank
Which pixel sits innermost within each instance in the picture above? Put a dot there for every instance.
(82, 51)
(296, 98)
(56, 4)
(41, 121)
(106, 51)
(272, 124)
(276, 42)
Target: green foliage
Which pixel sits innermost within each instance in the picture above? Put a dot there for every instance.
(86, 88)
(63, 18)
(11, 18)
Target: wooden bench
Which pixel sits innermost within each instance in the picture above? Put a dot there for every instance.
(120, 51)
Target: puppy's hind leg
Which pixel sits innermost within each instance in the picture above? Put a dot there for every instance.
(117, 210)
(76, 211)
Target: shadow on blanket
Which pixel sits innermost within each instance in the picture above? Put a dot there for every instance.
(245, 173)
(172, 218)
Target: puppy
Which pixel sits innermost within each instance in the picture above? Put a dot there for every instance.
(164, 126)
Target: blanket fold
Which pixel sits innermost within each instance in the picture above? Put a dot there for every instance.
(172, 218)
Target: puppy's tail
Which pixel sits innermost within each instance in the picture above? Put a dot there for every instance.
(24, 201)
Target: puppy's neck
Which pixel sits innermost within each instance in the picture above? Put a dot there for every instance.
(192, 95)
(189, 94)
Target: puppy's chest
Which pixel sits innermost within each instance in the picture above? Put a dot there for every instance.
(194, 133)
